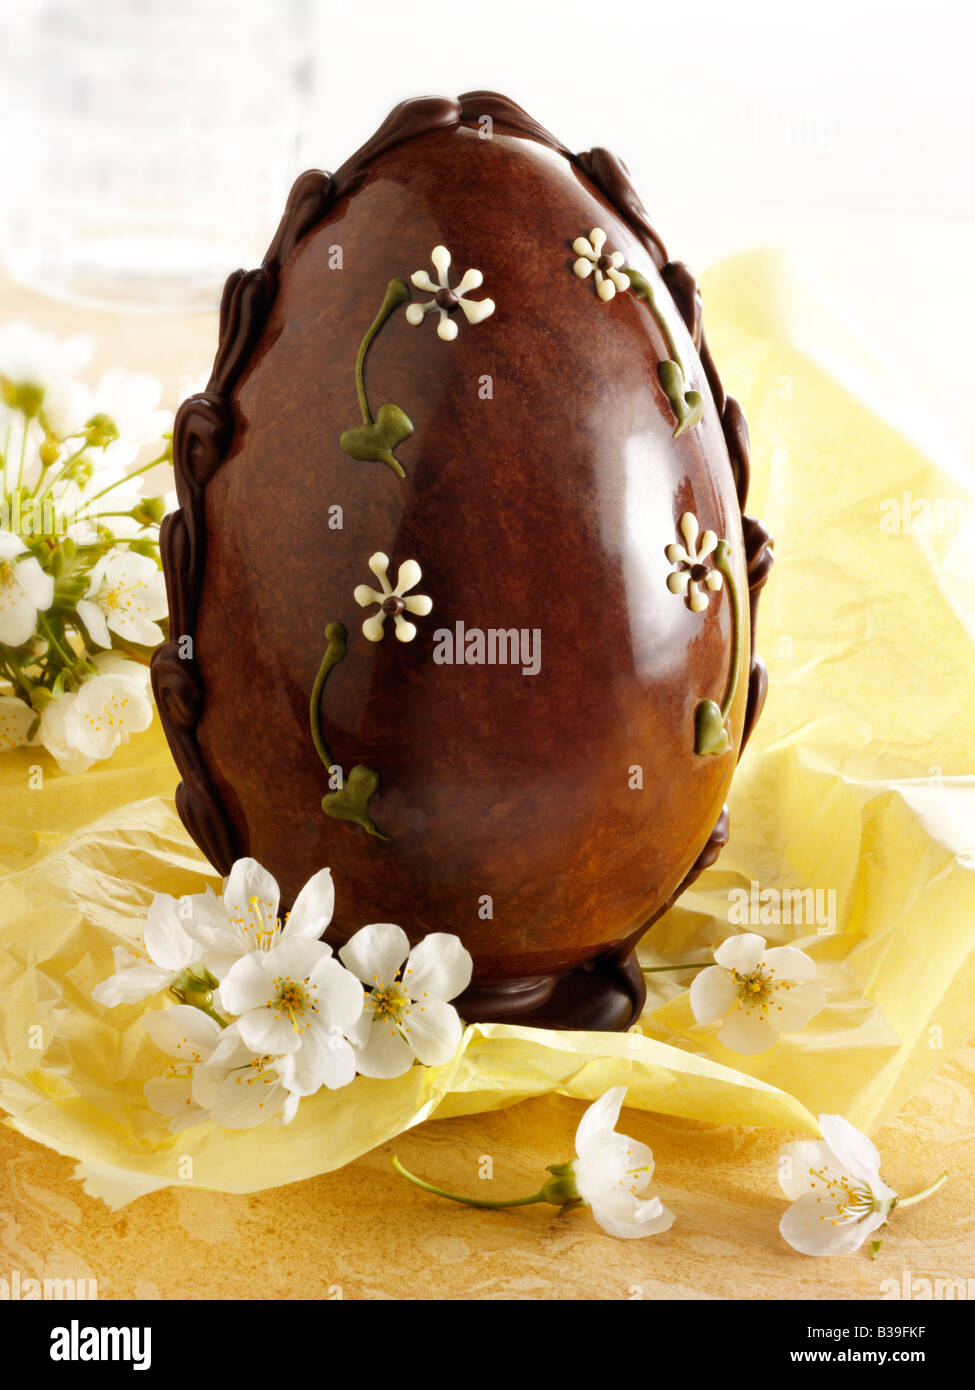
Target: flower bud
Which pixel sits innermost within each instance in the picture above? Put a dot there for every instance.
(50, 451)
(100, 431)
(149, 511)
(561, 1187)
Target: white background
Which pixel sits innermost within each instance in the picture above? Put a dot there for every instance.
(838, 133)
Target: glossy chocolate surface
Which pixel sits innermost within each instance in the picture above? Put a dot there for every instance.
(545, 503)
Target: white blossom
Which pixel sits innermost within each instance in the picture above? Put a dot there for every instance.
(406, 1015)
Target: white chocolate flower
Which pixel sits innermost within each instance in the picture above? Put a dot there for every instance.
(603, 267)
(693, 575)
(392, 602)
(446, 300)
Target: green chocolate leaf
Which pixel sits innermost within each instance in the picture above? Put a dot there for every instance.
(376, 440)
(688, 406)
(351, 802)
(710, 734)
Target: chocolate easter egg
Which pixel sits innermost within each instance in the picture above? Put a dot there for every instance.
(462, 597)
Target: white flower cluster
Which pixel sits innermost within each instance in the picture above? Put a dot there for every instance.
(81, 590)
(269, 1014)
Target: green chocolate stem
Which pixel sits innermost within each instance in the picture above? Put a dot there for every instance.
(722, 556)
(688, 406)
(336, 634)
(397, 293)
(351, 800)
(710, 734)
(644, 290)
(375, 439)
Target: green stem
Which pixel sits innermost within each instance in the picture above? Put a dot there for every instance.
(921, 1196)
(71, 661)
(722, 562)
(336, 634)
(397, 293)
(644, 290)
(23, 456)
(65, 464)
(686, 965)
(467, 1201)
(15, 669)
(120, 482)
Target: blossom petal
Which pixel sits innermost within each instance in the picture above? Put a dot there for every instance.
(263, 1031)
(248, 880)
(605, 288)
(323, 1059)
(812, 1226)
(183, 1032)
(792, 1006)
(613, 1163)
(583, 267)
(856, 1153)
(789, 963)
(434, 1031)
(416, 313)
(94, 620)
(747, 1031)
(372, 628)
(629, 1218)
(129, 986)
(247, 984)
(173, 1095)
(446, 328)
(376, 952)
(167, 942)
(385, 1053)
(421, 279)
(741, 953)
(800, 1164)
(340, 995)
(35, 583)
(312, 909)
(599, 1117)
(581, 246)
(18, 615)
(713, 993)
(439, 967)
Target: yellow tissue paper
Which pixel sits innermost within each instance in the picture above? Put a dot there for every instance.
(852, 816)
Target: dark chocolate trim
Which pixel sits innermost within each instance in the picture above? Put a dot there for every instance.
(204, 430)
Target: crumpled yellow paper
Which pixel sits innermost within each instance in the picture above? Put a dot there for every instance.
(856, 784)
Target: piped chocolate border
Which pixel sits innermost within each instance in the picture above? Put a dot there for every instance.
(204, 430)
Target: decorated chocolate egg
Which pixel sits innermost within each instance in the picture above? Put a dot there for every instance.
(462, 597)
